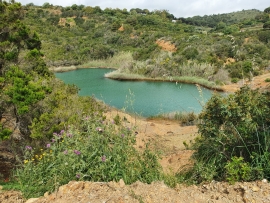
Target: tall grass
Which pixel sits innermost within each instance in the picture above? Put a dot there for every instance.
(117, 74)
(119, 60)
(185, 118)
(202, 70)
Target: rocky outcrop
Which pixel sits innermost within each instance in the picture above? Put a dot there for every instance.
(7, 160)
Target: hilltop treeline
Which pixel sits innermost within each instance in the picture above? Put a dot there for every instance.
(244, 18)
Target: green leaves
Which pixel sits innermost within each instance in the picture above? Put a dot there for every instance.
(234, 129)
(95, 150)
(237, 169)
(21, 90)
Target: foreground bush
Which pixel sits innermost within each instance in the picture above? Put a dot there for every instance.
(235, 138)
(102, 151)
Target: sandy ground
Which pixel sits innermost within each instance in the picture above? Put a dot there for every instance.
(166, 136)
(256, 82)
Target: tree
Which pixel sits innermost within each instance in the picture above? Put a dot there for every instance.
(116, 25)
(74, 7)
(264, 36)
(267, 10)
(266, 25)
(20, 84)
(132, 20)
(47, 5)
(190, 53)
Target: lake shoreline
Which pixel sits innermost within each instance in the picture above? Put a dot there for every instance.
(219, 89)
(133, 77)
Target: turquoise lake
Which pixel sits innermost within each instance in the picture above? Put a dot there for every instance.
(142, 97)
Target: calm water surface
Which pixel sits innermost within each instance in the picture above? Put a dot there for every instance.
(142, 97)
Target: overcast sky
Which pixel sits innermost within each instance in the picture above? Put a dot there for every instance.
(180, 8)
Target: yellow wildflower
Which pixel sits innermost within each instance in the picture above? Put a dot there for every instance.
(25, 161)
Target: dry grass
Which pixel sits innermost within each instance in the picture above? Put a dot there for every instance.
(120, 60)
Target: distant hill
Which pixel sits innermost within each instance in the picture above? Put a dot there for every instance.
(245, 17)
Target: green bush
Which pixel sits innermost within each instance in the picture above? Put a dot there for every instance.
(101, 151)
(4, 133)
(234, 126)
(238, 170)
(234, 80)
(190, 53)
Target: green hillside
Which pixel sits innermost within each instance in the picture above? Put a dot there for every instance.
(219, 48)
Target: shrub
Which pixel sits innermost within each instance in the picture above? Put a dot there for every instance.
(186, 118)
(234, 126)
(102, 151)
(190, 53)
(234, 80)
(237, 170)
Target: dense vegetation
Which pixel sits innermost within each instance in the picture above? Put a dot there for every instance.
(218, 48)
(56, 135)
(59, 136)
(234, 138)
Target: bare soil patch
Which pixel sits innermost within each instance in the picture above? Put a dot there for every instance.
(166, 136)
(166, 45)
(257, 82)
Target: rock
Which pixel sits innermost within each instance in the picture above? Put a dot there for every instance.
(255, 189)
(1, 187)
(7, 159)
(264, 181)
(31, 200)
(121, 183)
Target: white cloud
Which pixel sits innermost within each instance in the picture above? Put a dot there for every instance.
(180, 8)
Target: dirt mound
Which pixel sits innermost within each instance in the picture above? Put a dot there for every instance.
(11, 197)
(96, 192)
(121, 28)
(166, 45)
(165, 136)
